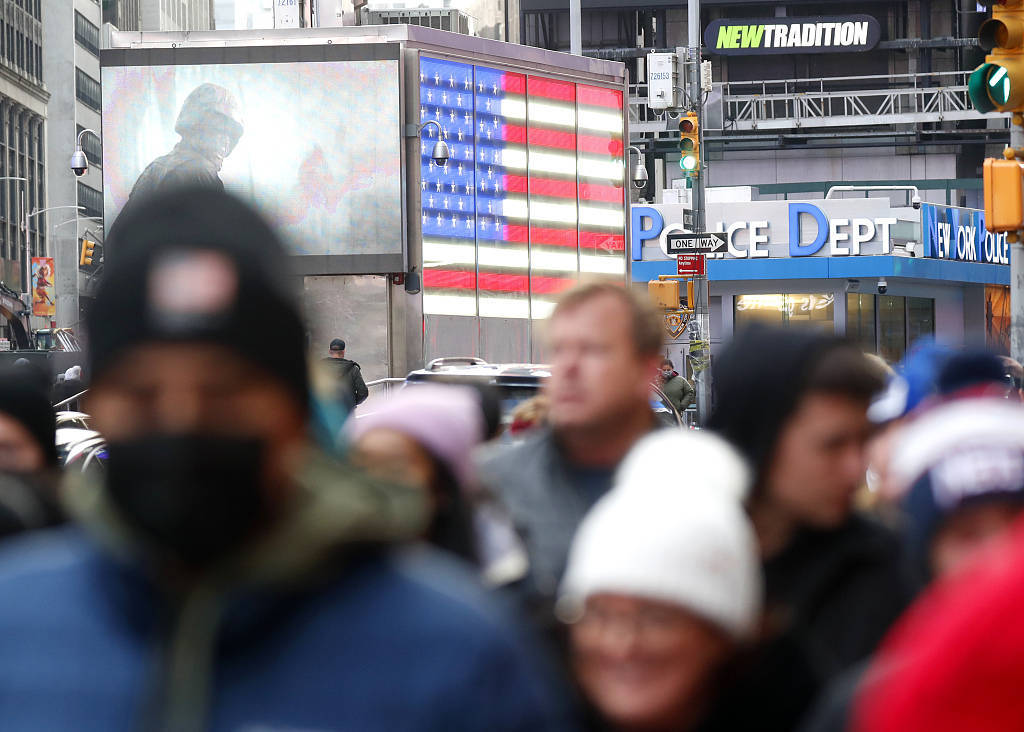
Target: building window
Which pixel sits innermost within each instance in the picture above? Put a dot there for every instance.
(802, 310)
(920, 319)
(892, 327)
(87, 34)
(860, 321)
(92, 147)
(87, 89)
(888, 325)
(90, 200)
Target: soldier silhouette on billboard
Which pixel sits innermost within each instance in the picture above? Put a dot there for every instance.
(210, 126)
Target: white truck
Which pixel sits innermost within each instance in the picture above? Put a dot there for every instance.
(334, 134)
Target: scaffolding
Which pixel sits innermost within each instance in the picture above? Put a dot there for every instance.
(795, 104)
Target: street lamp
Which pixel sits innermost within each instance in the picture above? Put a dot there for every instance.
(79, 160)
(440, 154)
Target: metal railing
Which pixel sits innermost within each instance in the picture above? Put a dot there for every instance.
(385, 385)
(65, 402)
(784, 104)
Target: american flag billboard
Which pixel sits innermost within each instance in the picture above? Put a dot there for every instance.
(531, 196)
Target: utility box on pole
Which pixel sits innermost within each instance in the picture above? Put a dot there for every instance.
(662, 81)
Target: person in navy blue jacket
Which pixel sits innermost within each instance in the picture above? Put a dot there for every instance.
(223, 574)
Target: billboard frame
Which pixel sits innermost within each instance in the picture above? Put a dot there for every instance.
(306, 264)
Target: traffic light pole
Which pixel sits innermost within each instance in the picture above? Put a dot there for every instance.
(700, 342)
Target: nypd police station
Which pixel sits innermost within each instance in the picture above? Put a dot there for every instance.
(882, 274)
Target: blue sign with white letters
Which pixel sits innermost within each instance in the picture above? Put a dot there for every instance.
(959, 234)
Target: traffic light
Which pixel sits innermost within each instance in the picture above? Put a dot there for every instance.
(1004, 195)
(998, 84)
(689, 143)
(87, 249)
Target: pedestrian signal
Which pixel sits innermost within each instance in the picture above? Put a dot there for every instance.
(1004, 195)
(664, 294)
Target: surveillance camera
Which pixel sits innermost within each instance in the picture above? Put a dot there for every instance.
(639, 184)
(440, 153)
(916, 202)
(883, 286)
(79, 163)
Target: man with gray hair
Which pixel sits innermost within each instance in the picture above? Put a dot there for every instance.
(604, 342)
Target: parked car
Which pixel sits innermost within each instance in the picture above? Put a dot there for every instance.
(515, 382)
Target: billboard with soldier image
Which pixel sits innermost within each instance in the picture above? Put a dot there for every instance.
(315, 145)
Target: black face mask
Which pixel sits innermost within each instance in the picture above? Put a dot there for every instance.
(197, 496)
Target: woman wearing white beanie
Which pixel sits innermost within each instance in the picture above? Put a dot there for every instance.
(663, 583)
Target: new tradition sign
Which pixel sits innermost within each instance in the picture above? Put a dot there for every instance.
(834, 34)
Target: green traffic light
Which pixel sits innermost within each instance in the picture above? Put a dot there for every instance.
(999, 86)
(978, 87)
(688, 162)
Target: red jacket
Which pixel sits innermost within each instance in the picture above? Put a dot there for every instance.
(955, 662)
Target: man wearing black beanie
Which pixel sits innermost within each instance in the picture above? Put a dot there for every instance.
(28, 455)
(795, 403)
(227, 574)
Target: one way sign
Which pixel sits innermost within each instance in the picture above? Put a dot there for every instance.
(708, 243)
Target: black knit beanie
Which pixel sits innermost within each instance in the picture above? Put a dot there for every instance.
(758, 380)
(198, 265)
(23, 399)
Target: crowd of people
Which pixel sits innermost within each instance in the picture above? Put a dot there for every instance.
(836, 549)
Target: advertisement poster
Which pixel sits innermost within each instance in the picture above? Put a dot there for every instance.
(43, 291)
(316, 146)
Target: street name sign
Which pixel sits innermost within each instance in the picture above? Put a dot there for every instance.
(708, 243)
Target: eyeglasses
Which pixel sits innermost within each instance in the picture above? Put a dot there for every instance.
(649, 625)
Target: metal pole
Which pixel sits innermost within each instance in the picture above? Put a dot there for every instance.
(701, 310)
(1017, 264)
(575, 32)
(24, 222)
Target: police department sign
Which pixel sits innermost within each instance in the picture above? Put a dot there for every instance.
(841, 34)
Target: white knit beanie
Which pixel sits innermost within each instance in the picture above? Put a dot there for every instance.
(673, 529)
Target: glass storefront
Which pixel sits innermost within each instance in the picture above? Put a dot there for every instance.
(801, 310)
(860, 321)
(892, 327)
(888, 324)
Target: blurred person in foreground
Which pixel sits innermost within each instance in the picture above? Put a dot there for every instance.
(677, 389)
(29, 467)
(529, 415)
(604, 342)
(959, 469)
(954, 662)
(226, 574)
(833, 579)
(663, 587)
(1014, 375)
(424, 436)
